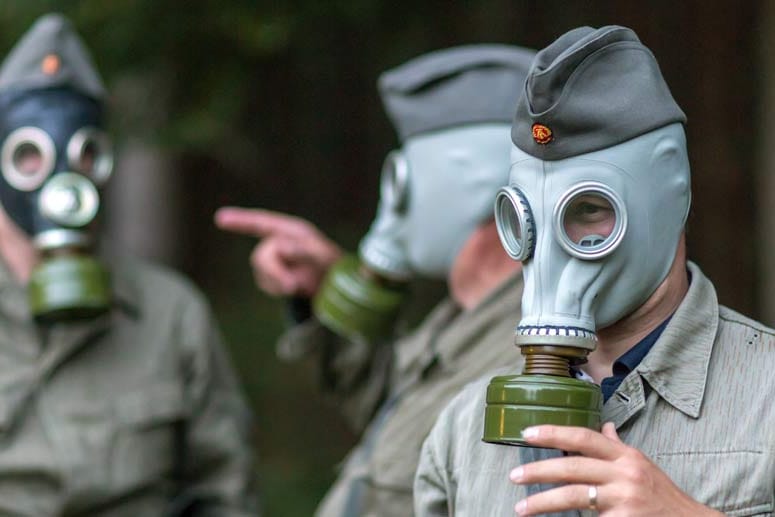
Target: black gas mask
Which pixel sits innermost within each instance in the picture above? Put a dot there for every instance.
(53, 158)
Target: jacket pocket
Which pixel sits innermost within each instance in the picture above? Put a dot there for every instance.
(149, 425)
(737, 483)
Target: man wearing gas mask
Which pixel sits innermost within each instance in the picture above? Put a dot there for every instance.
(596, 205)
(117, 397)
(451, 109)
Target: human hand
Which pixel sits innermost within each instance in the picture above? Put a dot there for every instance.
(608, 476)
(292, 257)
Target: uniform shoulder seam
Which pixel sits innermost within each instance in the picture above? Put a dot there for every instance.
(731, 316)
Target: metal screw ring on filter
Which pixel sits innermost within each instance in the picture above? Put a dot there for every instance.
(69, 199)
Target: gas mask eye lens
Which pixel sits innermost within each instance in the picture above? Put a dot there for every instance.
(514, 222)
(27, 158)
(394, 182)
(90, 152)
(591, 220)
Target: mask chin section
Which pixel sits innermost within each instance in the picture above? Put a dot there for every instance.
(356, 302)
(69, 284)
(545, 392)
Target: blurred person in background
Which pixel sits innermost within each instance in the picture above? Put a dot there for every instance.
(117, 396)
(452, 110)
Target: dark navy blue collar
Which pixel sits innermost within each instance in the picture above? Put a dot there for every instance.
(630, 360)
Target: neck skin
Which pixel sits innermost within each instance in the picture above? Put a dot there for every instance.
(616, 339)
(16, 249)
(480, 267)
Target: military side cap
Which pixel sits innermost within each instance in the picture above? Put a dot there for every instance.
(51, 54)
(462, 85)
(591, 89)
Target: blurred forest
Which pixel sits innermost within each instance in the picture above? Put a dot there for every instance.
(273, 104)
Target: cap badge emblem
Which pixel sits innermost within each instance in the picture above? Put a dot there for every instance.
(542, 134)
(50, 64)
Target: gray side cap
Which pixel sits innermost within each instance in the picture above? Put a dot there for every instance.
(52, 34)
(452, 87)
(592, 88)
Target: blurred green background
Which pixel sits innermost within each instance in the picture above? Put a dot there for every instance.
(273, 104)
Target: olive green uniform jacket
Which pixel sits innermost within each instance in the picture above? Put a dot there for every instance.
(699, 405)
(135, 413)
(448, 350)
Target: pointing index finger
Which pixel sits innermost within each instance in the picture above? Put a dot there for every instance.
(256, 222)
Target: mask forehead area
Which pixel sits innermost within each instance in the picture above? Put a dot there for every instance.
(641, 170)
(454, 169)
(59, 112)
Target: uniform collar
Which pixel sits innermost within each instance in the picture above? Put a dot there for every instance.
(449, 332)
(6, 277)
(677, 365)
(502, 302)
(126, 291)
(630, 360)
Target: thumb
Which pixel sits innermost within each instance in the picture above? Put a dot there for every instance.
(609, 431)
(292, 251)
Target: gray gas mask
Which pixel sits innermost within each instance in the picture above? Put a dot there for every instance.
(452, 109)
(597, 234)
(434, 192)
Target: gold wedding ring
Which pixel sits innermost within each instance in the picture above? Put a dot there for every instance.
(592, 492)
